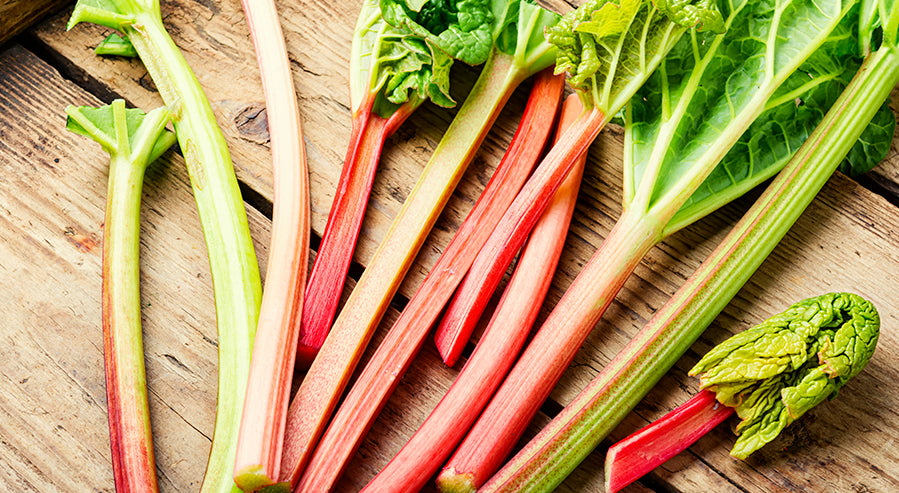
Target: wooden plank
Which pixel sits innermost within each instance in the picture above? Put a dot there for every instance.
(809, 261)
(18, 15)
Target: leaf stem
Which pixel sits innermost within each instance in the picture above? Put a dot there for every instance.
(261, 435)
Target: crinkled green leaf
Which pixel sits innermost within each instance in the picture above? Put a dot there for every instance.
(463, 29)
(726, 111)
(776, 371)
(395, 65)
(609, 47)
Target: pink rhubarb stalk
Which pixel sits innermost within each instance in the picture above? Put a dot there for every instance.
(261, 434)
(442, 431)
(651, 446)
(393, 357)
(332, 262)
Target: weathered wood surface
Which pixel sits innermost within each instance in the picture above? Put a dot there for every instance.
(53, 426)
(18, 15)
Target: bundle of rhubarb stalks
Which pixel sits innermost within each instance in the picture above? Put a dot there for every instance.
(714, 98)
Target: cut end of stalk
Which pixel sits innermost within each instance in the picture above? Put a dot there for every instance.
(252, 478)
(282, 487)
(652, 445)
(451, 481)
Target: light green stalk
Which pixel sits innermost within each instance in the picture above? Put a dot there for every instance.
(232, 259)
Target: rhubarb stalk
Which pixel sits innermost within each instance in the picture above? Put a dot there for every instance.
(394, 355)
(232, 259)
(769, 375)
(261, 435)
(133, 140)
(664, 190)
(550, 456)
(424, 453)
(520, 55)
(392, 72)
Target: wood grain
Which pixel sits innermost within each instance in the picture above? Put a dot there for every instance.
(51, 214)
(18, 15)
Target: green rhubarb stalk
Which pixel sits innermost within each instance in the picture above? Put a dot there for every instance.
(392, 72)
(261, 435)
(609, 49)
(133, 141)
(232, 259)
(769, 375)
(424, 453)
(557, 450)
(394, 355)
(714, 93)
(517, 54)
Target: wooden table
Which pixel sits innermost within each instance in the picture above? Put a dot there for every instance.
(53, 434)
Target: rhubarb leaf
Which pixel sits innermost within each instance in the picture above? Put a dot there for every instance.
(776, 371)
(607, 47)
(116, 45)
(463, 29)
(873, 145)
(521, 33)
(395, 65)
(140, 141)
(757, 80)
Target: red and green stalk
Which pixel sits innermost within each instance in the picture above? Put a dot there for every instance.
(332, 262)
(330, 371)
(130, 439)
(435, 440)
(394, 355)
(232, 258)
(261, 435)
(548, 458)
(652, 445)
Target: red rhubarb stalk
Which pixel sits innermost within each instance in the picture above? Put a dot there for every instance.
(392, 72)
(261, 434)
(505, 68)
(393, 357)
(433, 443)
(332, 262)
(651, 446)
